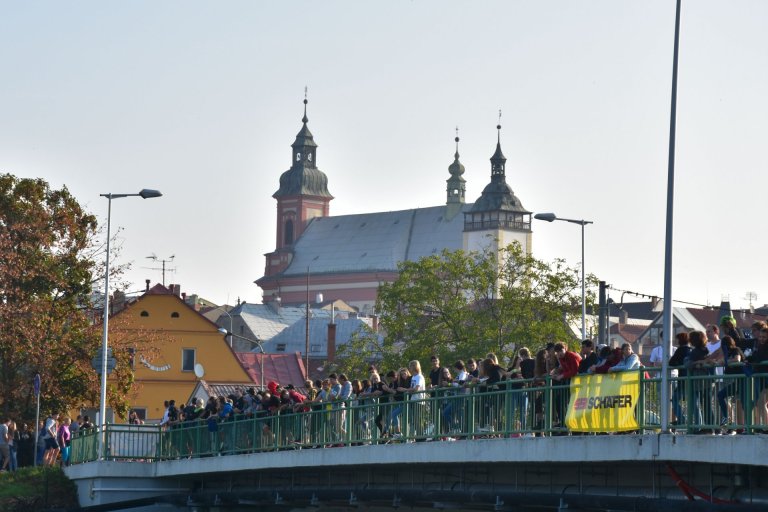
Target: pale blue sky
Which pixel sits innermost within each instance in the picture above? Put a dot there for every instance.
(203, 99)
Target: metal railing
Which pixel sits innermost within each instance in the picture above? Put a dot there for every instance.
(512, 409)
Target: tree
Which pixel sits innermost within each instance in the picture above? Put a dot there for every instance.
(47, 246)
(43, 282)
(462, 305)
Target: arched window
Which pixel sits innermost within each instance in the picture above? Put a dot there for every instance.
(288, 232)
(145, 313)
(175, 314)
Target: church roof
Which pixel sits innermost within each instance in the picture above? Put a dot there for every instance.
(372, 242)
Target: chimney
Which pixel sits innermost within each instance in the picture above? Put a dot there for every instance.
(176, 289)
(623, 317)
(146, 282)
(331, 352)
(118, 301)
(375, 323)
(184, 296)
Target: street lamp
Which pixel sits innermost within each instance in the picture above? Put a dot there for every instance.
(231, 322)
(144, 194)
(550, 217)
(257, 342)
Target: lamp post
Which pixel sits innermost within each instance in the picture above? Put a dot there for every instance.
(550, 217)
(144, 194)
(257, 342)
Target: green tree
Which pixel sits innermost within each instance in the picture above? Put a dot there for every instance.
(462, 305)
(47, 324)
(44, 282)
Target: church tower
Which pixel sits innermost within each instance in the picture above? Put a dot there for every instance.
(457, 185)
(302, 196)
(497, 218)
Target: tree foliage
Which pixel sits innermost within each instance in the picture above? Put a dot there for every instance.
(462, 305)
(47, 325)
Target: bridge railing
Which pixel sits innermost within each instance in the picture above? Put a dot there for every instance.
(538, 407)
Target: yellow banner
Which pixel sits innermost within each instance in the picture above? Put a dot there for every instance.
(603, 403)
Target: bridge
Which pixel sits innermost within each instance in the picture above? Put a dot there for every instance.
(499, 450)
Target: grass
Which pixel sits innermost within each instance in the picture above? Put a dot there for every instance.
(33, 489)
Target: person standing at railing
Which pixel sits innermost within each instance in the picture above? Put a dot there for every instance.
(679, 384)
(418, 408)
(759, 365)
(588, 356)
(51, 445)
(629, 360)
(472, 368)
(607, 359)
(491, 401)
(322, 403)
(5, 452)
(568, 368)
(541, 371)
(64, 438)
(515, 399)
(445, 391)
(734, 385)
(402, 384)
(716, 358)
(697, 366)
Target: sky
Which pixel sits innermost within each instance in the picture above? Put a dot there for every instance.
(202, 100)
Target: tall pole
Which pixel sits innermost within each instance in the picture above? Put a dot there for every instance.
(104, 339)
(306, 340)
(667, 315)
(144, 194)
(583, 289)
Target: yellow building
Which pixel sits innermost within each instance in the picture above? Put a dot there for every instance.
(190, 348)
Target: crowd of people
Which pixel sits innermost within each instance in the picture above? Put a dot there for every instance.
(407, 403)
(50, 445)
(463, 400)
(450, 402)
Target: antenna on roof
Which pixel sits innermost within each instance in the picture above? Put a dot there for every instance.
(163, 261)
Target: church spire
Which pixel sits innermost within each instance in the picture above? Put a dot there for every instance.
(456, 183)
(303, 178)
(498, 160)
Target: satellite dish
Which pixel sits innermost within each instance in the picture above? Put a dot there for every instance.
(199, 371)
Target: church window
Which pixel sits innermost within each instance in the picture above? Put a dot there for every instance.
(298, 157)
(309, 157)
(288, 232)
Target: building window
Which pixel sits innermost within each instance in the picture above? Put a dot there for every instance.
(288, 232)
(280, 347)
(314, 347)
(145, 313)
(175, 315)
(188, 360)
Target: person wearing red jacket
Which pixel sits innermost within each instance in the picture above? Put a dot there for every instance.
(569, 363)
(568, 368)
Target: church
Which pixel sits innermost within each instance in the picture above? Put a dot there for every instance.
(347, 257)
